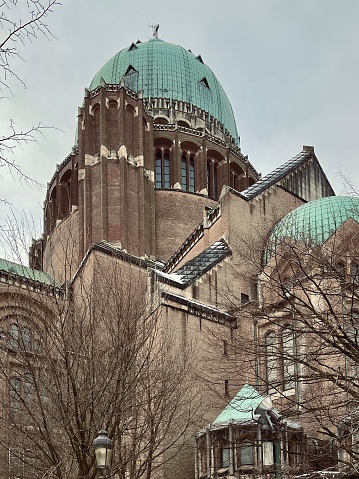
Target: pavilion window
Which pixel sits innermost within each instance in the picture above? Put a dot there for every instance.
(246, 454)
(224, 456)
(163, 169)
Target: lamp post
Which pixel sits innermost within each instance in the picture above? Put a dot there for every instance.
(269, 418)
(103, 446)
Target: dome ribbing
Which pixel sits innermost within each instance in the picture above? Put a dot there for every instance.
(313, 223)
(164, 70)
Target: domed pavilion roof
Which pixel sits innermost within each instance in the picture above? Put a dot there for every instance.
(163, 70)
(313, 223)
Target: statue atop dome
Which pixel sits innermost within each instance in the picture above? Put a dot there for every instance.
(155, 30)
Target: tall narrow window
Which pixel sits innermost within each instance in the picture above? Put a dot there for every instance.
(353, 339)
(271, 360)
(191, 174)
(226, 387)
(203, 460)
(15, 398)
(14, 336)
(184, 172)
(212, 179)
(235, 175)
(163, 170)
(18, 464)
(187, 172)
(288, 350)
(354, 272)
(25, 338)
(244, 298)
(233, 180)
(28, 388)
(340, 270)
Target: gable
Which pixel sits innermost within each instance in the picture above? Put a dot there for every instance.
(302, 176)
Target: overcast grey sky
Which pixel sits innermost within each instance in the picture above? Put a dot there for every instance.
(289, 67)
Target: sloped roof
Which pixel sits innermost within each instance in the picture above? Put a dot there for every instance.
(26, 272)
(302, 176)
(277, 174)
(241, 408)
(199, 265)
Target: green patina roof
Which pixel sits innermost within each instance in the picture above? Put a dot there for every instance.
(163, 70)
(314, 222)
(241, 408)
(26, 272)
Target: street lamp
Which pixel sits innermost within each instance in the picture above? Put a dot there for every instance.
(103, 446)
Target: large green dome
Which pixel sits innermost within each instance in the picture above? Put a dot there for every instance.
(163, 70)
(314, 222)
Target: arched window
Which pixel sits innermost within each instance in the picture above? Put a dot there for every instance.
(187, 172)
(184, 123)
(160, 121)
(163, 171)
(65, 195)
(235, 176)
(288, 352)
(212, 179)
(271, 360)
(23, 339)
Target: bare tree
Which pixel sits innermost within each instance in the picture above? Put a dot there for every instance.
(93, 355)
(300, 337)
(21, 22)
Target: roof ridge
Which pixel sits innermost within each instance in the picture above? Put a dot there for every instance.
(277, 174)
(197, 266)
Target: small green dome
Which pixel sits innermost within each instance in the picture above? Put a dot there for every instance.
(313, 223)
(163, 70)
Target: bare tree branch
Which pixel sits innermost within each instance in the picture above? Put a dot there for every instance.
(21, 21)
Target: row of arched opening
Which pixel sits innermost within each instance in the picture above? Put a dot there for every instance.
(190, 181)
